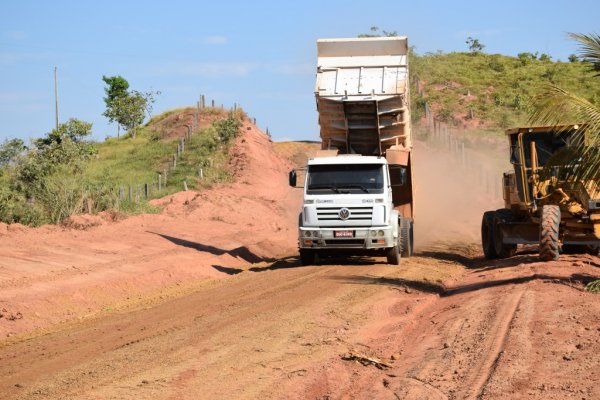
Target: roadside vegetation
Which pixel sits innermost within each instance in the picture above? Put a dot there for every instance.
(495, 89)
(65, 173)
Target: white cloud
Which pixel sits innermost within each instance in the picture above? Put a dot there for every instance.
(15, 97)
(228, 69)
(215, 39)
(8, 58)
(16, 35)
(207, 69)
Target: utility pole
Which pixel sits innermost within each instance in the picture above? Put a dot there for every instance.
(56, 95)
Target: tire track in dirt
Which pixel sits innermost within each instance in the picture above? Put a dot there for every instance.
(495, 345)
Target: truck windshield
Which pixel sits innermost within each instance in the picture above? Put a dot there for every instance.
(345, 178)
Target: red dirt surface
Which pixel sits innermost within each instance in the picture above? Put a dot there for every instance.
(207, 300)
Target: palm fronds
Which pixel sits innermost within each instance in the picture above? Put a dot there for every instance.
(558, 107)
(589, 48)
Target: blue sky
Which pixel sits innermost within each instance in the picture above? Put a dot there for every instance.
(260, 54)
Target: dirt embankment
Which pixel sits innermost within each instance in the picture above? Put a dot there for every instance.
(53, 274)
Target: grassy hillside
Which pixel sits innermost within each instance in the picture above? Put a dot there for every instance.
(490, 91)
(47, 184)
(135, 161)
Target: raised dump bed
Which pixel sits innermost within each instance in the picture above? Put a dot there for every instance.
(362, 95)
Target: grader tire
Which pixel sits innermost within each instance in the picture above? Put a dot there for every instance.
(502, 250)
(549, 233)
(487, 235)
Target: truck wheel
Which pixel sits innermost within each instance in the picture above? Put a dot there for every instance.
(549, 230)
(502, 250)
(406, 237)
(307, 256)
(487, 235)
(393, 254)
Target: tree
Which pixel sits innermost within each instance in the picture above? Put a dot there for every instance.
(10, 151)
(116, 89)
(129, 111)
(475, 46)
(556, 106)
(65, 148)
(126, 108)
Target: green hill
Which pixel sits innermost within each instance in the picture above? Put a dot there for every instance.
(490, 91)
(47, 184)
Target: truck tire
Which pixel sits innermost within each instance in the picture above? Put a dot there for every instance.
(502, 250)
(406, 237)
(393, 254)
(549, 233)
(307, 257)
(487, 235)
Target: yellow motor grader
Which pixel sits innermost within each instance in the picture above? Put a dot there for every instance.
(546, 202)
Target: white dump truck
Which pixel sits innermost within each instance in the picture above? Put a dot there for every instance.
(358, 190)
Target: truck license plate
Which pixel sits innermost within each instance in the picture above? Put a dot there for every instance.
(339, 234)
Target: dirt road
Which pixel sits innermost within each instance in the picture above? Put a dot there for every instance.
(205, 302)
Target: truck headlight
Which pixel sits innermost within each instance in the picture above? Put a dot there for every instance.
(373, 233)
(380, 233)
(307, 233)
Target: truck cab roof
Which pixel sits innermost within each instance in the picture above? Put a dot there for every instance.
(347, 159)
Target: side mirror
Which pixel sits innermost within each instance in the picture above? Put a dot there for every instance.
(402, 176)
(514, 155)
(293, 178)
(398, 175)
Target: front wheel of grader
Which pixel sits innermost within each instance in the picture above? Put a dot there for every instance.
(549, 233)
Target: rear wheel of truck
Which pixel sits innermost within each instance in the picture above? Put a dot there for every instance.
(502, 249)
(406, 237)
(307, 256)
(487, 235)
(393, 254)
(549, 233)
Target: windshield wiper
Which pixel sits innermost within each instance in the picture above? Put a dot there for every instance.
(332, 187)
(352, 186)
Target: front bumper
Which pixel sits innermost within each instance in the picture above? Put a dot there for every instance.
(362, 238)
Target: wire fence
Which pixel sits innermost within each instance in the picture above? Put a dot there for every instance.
(134, 193)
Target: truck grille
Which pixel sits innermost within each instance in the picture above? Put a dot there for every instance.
(356, 213)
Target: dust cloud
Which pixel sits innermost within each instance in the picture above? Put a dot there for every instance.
(457, 179)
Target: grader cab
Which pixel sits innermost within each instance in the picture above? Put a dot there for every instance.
(546, 202)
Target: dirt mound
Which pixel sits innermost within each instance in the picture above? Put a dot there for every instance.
(83, 221)
(174, 124)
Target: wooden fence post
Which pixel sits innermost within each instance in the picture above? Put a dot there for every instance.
(165, 175)
(146, 191)
(159, 183)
